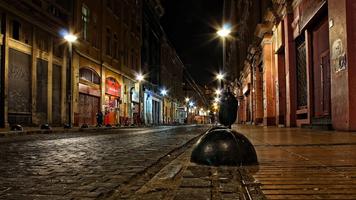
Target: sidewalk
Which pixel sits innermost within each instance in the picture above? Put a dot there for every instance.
(294, 163)
(304, 164)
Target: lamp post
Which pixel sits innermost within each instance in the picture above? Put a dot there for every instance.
(224, 33)
(163, 93)
(139, 78)
(70, 38)
(220, 78)
(187, 104)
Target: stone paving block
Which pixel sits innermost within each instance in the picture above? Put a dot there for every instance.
(230, 196)
(199, 171)
(193, 194)
(78, 194)
(195, 182)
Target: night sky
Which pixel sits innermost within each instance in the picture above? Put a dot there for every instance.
(189, 25)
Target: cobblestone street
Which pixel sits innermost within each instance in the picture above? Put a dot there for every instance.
(83, 165)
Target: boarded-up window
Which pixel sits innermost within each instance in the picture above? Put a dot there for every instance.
(19, 88)
(42, 91)
(56, 94)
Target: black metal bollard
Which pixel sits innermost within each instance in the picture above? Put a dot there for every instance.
(84, 126)
(228, 109)
(16, 127)
(223, 146)
(45, 127)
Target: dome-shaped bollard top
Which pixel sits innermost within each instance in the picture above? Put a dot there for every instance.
(224, 147)
(45, 127)
(16, 127)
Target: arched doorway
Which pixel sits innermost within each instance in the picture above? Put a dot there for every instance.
(89, 96)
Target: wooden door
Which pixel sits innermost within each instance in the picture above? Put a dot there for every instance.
(325, 81)
(88, 107)
(321, 70)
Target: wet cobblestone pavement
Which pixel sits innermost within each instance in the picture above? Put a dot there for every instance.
(184, 180)
(82, 165)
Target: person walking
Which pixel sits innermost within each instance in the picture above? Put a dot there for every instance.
(99, 118)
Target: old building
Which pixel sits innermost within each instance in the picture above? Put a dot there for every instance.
(105, 59)
(306, 73)
(33, 62)
(38, 85)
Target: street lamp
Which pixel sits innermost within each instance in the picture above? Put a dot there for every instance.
(217, 100)
(164, 93)
(224, 33)
(220, 78)
(70, 38)
(218, 92)
(139, 78)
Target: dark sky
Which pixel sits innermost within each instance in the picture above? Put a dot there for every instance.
(189, 25)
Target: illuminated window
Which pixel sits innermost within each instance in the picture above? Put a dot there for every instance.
(85, 21)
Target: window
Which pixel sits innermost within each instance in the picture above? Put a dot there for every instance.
(95, 32)
(108, 42)
(109, 4)
(133, 66)
(85, 21)
(16, 28)
(89, 75)
(115, 47)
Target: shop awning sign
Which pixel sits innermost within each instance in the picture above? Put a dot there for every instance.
(112, 87)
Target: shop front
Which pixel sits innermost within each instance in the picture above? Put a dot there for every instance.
(112, 101)
(89, 97)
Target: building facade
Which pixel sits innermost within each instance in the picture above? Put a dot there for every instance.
(37, 84)
(33, 62)
(106, 58)
(303, 62)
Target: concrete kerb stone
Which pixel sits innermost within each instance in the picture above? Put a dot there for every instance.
(9, 133)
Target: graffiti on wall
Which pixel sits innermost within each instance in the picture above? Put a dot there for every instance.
(338, 56)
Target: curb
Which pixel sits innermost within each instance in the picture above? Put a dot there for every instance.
(75, 130)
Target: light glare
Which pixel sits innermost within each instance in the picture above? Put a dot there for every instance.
(70, 38)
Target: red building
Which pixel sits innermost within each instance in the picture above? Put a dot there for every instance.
(301, 63)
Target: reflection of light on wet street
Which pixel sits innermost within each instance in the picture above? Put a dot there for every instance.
(82, 165)
(303, 163)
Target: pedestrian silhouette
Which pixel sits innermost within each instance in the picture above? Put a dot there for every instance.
(99, 118)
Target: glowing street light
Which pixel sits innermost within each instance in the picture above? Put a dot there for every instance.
(217, 100)
(139, 77)
(70, 38)
(191, 104)
(220, 76)
(218, 92)
(187, 99)
(224, 32)
(164, 92)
